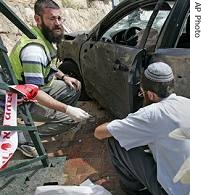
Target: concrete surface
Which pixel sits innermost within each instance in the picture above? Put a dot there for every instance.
(86, 157)
(28, 178)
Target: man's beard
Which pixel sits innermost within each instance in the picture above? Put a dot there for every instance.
(50, 35)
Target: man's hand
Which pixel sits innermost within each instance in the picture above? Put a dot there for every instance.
(72, 82)
(77, 114)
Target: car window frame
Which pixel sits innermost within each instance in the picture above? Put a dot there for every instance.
(124, 9)
(150, 23)
(173, 26)
(118, 13)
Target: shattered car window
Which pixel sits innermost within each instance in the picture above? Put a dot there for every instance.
(125, 30)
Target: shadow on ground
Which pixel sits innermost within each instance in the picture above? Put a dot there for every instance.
(86, 156)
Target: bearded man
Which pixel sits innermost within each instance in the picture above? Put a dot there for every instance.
(151, 172)
(34, 62)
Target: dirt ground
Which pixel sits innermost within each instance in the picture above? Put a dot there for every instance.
(86, 156)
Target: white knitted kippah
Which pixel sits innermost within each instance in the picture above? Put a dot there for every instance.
(159, 72)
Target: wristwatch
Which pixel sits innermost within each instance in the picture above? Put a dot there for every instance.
(65, 75)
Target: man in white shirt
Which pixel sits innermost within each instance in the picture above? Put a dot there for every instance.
(151, 173)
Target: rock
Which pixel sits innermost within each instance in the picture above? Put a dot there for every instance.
(77, 4)
(79, 14)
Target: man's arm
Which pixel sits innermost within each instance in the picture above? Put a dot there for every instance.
(101, 132)
(75, 113)
(48, 101)
(70, 81)
(59, 74)
(33, 59)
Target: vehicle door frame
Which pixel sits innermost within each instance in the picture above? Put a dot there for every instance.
(172, 27)
(138, 63)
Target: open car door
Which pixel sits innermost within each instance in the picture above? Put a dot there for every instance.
(113, 58)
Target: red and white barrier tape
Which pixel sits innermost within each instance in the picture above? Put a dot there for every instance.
(9, 139)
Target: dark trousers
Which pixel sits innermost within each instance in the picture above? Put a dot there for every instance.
(136, 168)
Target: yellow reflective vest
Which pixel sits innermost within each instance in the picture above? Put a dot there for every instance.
(24, 41)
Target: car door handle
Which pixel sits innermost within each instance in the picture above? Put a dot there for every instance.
(119, 66)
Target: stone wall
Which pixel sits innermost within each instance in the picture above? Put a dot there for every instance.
(80, 15)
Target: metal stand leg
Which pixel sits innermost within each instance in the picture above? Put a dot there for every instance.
(10, 79)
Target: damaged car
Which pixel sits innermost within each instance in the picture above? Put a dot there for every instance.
(110, 59)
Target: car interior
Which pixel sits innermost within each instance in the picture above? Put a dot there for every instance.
(132, 34)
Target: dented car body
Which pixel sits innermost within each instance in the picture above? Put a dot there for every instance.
(110, 59)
